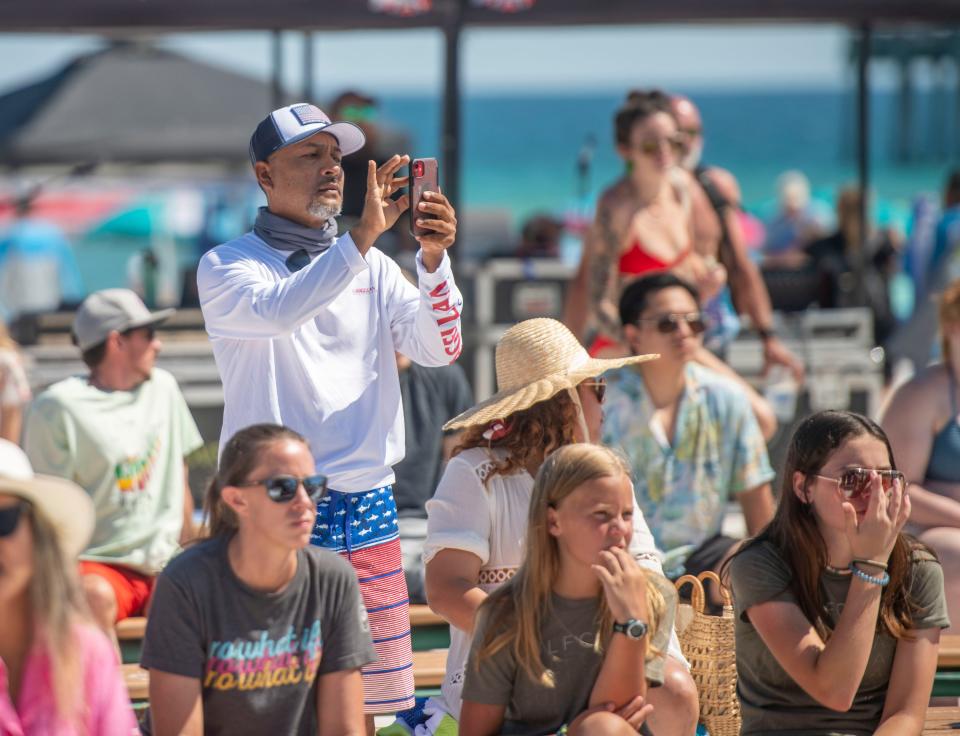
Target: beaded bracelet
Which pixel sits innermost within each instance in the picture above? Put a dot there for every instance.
(871, 563)
(880, 580)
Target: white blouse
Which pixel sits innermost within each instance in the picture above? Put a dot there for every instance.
(486, 514)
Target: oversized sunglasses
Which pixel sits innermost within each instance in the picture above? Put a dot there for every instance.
(652, 147)
(670, 323)
(599, 386)
(283, 488)
(9, 518)
(855, 482)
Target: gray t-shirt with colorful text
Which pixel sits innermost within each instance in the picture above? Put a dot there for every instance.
(257, 655)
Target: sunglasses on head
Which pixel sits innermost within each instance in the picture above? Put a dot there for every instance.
(9, 518)
(599, 386)
(669, 323)
(855, 482)
(283, 488)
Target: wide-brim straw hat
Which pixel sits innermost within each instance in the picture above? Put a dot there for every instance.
(64, 504)
(536, 360)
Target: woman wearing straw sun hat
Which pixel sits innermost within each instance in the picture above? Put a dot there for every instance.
(550, 395)
(59, 675)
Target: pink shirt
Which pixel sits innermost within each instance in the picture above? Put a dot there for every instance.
(107, 710)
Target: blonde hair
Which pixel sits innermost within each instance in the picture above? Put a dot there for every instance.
(58, 607)
(517, 610)
(949, 313)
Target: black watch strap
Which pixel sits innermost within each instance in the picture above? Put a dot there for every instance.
(631, 628)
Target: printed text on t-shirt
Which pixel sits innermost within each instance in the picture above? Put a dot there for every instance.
(264, 662)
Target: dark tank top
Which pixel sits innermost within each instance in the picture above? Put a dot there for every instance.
(944, 463)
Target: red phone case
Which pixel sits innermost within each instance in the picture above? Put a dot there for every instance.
(424, 174)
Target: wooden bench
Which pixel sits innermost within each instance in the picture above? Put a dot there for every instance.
(131, 629)
(428, 670)
(940, 721)
(949, 657)
(421, 615)
(137, 681)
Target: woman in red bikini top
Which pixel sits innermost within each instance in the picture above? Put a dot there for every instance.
(643, 223)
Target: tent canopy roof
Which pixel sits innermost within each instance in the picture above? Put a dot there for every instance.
(132, 103)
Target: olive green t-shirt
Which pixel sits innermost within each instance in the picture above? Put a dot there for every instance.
(771, 701)
(567, 638)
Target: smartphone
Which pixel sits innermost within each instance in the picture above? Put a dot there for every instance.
(424, 177)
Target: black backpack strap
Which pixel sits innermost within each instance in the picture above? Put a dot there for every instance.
(721, 205)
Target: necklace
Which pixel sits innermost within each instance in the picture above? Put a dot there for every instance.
(838, 570)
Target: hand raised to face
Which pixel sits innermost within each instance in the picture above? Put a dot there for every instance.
(380, 210)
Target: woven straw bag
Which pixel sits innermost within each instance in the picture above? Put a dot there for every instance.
(708, 644)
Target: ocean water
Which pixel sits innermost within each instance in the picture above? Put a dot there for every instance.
(519, 154)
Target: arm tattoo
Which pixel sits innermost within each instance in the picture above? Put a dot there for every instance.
(603, 283)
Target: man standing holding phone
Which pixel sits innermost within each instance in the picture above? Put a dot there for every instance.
(305, 326)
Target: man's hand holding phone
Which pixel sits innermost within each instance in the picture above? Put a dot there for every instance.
(437, 215)
(433, 221)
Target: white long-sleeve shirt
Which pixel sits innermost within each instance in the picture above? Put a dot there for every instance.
(315, 350)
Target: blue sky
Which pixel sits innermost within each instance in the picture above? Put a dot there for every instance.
(702, 56)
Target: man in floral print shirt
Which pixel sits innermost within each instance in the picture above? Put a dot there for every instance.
(689, 433)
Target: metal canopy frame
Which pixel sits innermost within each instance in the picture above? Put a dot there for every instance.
(157, 16)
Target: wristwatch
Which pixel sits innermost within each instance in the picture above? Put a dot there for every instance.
(632, 628)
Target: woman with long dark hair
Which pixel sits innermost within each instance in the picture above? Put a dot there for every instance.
(252, 630)
(838, 613)
(643, 224)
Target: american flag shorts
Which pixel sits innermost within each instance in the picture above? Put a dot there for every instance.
(362, 527)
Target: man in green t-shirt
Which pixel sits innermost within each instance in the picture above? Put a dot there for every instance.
(121, 433)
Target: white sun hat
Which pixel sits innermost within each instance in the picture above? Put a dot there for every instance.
(62, 502)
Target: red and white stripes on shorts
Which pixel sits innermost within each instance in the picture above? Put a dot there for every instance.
(362, 527)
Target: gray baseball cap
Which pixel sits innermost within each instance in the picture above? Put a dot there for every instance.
(111, 309)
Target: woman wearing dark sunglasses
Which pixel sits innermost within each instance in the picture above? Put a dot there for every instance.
(252, 630)
(643, 224)
(59, 674)
(838, 612)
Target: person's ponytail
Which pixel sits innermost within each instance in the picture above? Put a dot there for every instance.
(239, 457)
